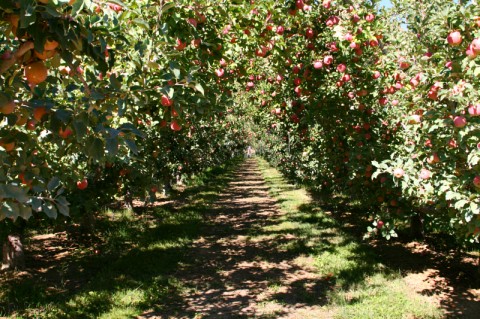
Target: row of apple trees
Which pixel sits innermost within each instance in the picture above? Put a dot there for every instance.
(380, 105)
(108, 99)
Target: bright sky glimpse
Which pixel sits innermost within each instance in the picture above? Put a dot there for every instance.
(385, 3)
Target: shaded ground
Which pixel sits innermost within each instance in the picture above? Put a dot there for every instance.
(231, 276)
(240, 254)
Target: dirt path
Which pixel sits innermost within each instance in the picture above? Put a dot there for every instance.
(231, 276)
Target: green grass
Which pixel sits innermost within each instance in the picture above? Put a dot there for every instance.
(359, 285)
(126, 268)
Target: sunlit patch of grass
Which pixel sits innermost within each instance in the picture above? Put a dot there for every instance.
(383, 296)
(360, 286)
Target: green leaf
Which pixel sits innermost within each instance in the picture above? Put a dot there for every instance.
(460, 204)
(62, 206)
(116, 84)
(199, 88)
(142, 23)
(10, 209)
(80, 129)
(112, 146)
(168, 6)
(77, 7)
(14, 192)
(451, 195)
(25, 212)
(36, 204)
(50, 210)
(95, 149)
(53, 183)
(132, 146)
(474, 208)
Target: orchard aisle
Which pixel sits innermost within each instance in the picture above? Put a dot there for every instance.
(288, 258)
(236, 275)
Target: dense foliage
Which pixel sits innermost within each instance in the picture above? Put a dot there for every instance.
(124, 96)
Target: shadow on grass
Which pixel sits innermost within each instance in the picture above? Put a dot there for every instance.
(121, 272)
(452, 274)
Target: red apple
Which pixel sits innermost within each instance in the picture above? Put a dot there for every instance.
(476, 45)
(318, 64)
(474, 110)
(459, 121)
(380, 224)
(280, 30)
(425, 173)
(333, 20)
(454, 38)
(175, 126)
(309, 34)
(476, 181)
(81, 185)
(398, 172)
(370, 17)
(432, 159)
(220, 72)
(166, 101)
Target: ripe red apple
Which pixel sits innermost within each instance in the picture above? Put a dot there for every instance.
(115, 7)
(81, 185)
(425, 173)
(470, 52)
(459, 121)
(192, 21)
(341, 68)
(280, 30)
(220, 72)
(166, 101)
(383, 101)
(370, 17)
(309, 33)
(328, 59)
(318, 64)
(180, 45)
(454, 38)
(380, 224)
(474, 110)
(333, 20)
(476, 45)
(398, 172)
(175, 126)
(476, 181)
(376, 74)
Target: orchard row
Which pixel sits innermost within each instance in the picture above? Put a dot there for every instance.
(380, 105)
(122, 96)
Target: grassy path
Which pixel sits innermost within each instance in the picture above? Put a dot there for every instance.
(244, 244)
(261, 257)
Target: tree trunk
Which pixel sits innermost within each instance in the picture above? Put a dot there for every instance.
(416, 226)
(13, 255)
